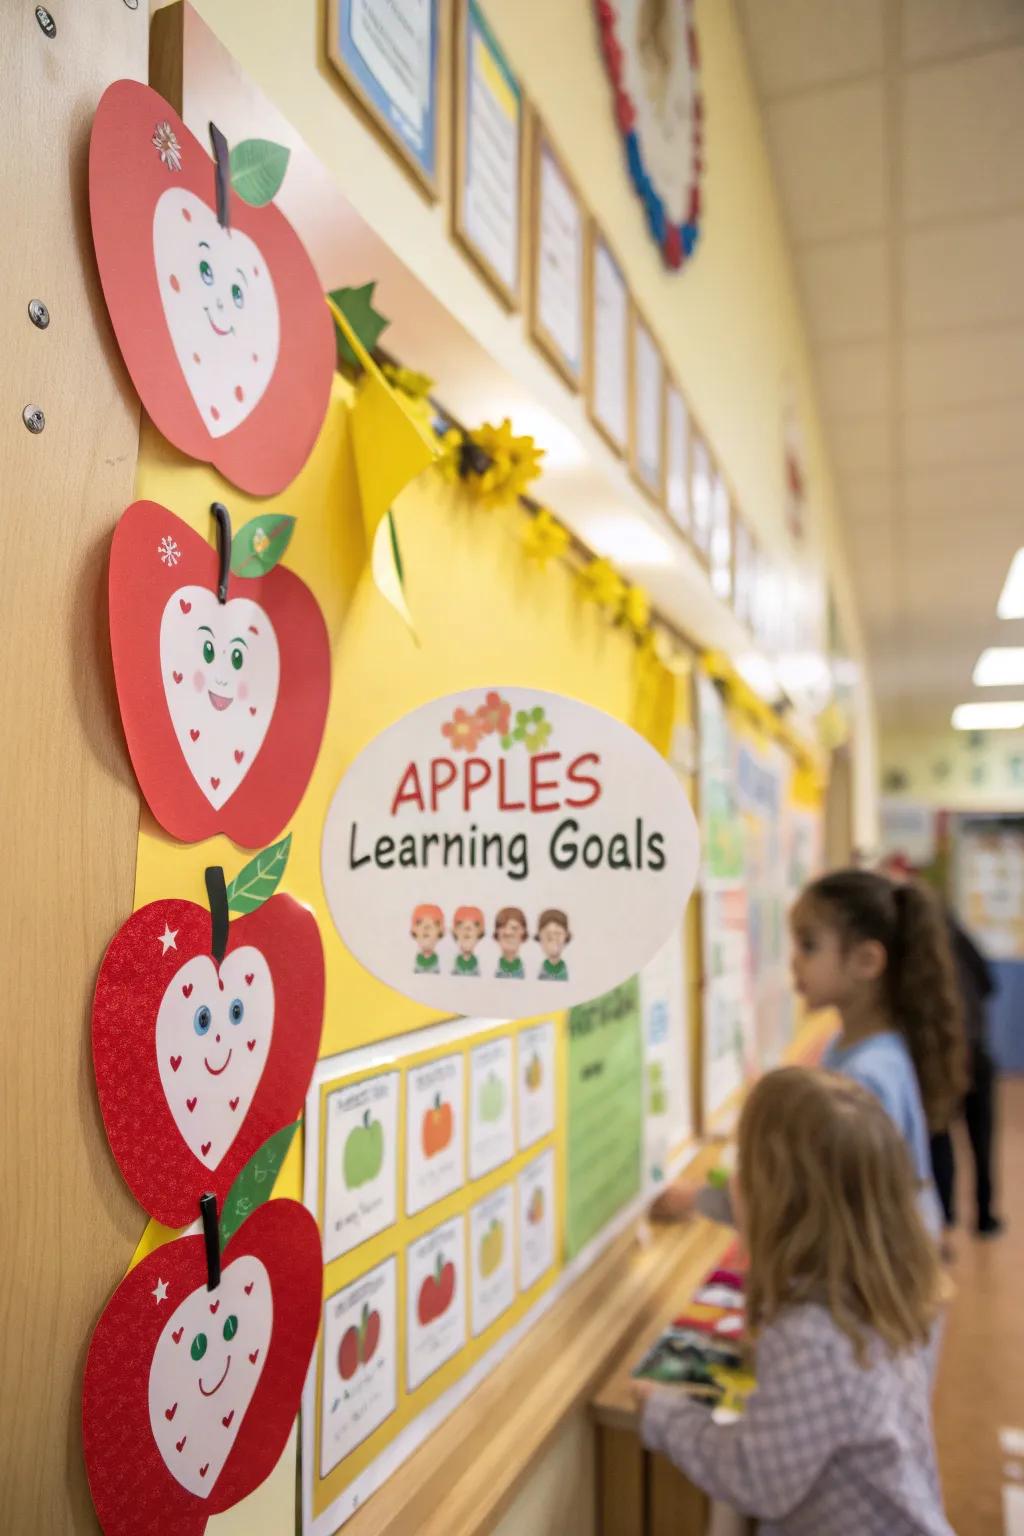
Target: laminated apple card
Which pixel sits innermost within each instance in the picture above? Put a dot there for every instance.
(492, 1258)
(359, 1390)
(536, 1084)
(205, 1029)
(435, 1131)
(504, 852)
(360, 1175)
(217, 309)
(536, 1198)
(435, 1296)
(191, 1388)
(491, 1127)
(223, 672)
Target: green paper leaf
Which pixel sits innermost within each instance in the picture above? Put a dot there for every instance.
(260, 878)
(356, 304)
(257, 170)
(255, 1184)
(258, 545)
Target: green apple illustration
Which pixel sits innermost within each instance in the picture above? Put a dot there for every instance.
(364, 1152)
(492, 1098)
(658, 1099)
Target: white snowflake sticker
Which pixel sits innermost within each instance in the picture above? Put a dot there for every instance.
(168, 551)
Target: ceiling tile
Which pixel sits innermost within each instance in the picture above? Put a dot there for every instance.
(964, 437)
(797, 43)
(981, 491)
(861, 445)
(866, 499)
(963, 368)
(828, 153)
(933, 28)
(855, 378)
(964, 137)
(964, 275)
(846, 289)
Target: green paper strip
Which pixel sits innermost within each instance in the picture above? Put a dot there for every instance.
(260, 878)
(255, 1184)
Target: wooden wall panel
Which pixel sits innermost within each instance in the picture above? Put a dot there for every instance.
(68, 798)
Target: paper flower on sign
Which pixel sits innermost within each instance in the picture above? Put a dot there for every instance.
(601, 583)
(636, 609)
(493, 715)
(532, 728)
(513, 462)
(463, 731)
(545, 539)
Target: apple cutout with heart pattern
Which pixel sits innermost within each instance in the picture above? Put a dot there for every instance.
(223, 703)
(189, 1394)
(223, 326)
(199, 1061)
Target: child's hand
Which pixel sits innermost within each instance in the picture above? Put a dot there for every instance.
(677, 1202)
(642, 1390)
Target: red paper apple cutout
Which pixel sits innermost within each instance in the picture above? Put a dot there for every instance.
(224, 329)
(436, 1293)
(190, 1394)
(200, 1060)
(223, 703)
(359, 1345)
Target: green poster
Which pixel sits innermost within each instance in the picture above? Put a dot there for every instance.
(605, 1111)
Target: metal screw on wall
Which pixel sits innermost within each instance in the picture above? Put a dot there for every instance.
(38, 313)
(33, 418)
(46, 21)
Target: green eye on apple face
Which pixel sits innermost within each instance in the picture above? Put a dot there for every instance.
(230, 1326)
(198, 1347)
(208, 652)
(237, 657)
(238, 296)
(206, 272)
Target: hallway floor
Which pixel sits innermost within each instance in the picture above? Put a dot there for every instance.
(981, 1378)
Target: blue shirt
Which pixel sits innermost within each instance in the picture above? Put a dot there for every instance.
(883, 1064)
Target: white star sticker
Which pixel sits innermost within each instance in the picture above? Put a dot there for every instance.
(168, 939)
(160, 1291)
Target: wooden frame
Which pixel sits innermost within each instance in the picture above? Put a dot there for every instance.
(510, 296)
(595, 238)
(672, 388)
(700, 448)
(359, 89)
(655, 492)
(541, 144)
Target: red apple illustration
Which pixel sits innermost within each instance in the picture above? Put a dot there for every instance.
(223, 703)
(359, 1345)
(190, 1393)
(436, 1292)
(201, 1058)
(216, 306)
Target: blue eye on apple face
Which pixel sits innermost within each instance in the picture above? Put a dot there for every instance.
(238, 295)
(206, 272)
(202, 1021)
(236, 1013)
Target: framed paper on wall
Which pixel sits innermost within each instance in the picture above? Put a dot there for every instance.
(701, 494)
(387, 55)
(647, 438)
(744, 573)
(557, 259)
(488, 155)
(721, 539)
(608, 324)
(677, 459)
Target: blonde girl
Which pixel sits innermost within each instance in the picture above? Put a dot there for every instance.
(843, 1290)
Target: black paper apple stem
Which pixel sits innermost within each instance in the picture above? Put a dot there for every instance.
(211, 1237)
(222, 176)
(217, 895)
(223, 517)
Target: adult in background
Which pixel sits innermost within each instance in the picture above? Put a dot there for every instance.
(976, 985)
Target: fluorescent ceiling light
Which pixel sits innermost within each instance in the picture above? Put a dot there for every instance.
(1001, 666)
(1007, 716)
(1011, 599)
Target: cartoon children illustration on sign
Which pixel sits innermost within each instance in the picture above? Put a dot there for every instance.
(510, 930)
(467, 931)
(552, 936)
(427, 930)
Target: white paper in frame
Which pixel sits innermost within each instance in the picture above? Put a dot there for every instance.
(608, 321)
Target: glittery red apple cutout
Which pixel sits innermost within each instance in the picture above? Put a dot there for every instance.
(190, 1393)
(222, 325)
(201, 1058)
(223, 703)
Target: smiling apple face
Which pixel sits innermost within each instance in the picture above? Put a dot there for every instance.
(213, 1035)
(206, 1367)
(220, 307)
(221, 670)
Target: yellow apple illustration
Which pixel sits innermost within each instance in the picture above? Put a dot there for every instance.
(534, 1073)
(492, 1247)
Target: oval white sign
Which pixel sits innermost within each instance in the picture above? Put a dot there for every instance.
(506, 852)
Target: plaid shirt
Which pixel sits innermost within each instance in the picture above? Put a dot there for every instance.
(826, 1447)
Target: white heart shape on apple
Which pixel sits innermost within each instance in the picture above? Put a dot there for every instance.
(206, 1366)
(221, 668)
(220, 307)
(213, 1033)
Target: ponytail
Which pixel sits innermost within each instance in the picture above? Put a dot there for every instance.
(908, 922)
